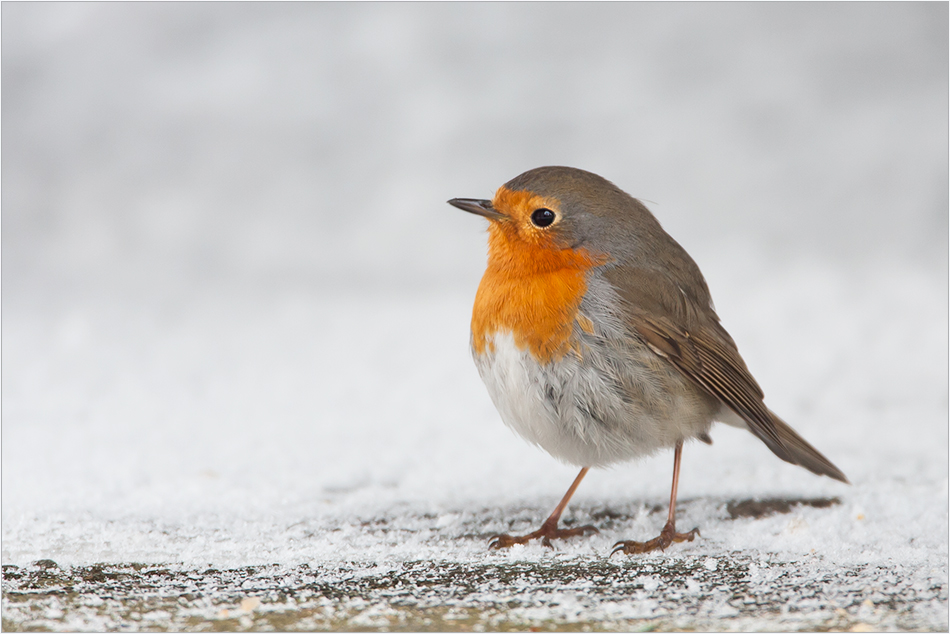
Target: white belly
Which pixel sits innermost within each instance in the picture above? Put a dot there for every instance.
(588, 411)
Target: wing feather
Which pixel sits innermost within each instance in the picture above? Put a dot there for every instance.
(684, 329)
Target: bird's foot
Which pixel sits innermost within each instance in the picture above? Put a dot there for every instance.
(547, 532)
(667, 536)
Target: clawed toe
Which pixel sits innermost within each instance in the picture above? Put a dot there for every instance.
(545, 533)
(667, 536)
(574, 532)
(506, 541)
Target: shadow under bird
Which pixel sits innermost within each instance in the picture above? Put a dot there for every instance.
(597, 339)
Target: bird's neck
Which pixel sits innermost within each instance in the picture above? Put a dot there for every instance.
(532, 292)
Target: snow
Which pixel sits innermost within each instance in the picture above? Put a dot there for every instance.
(235, 310)
(225, 436)
(294, 435)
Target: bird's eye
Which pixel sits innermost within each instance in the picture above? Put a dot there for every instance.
(542, 217)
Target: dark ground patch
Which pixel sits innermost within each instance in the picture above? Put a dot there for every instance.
(757, 509)
(662, 591)
(688, 593)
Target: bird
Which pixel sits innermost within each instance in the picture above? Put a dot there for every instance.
(597, 339)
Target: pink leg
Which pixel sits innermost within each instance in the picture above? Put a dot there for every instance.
(549, 529)
(668, 535)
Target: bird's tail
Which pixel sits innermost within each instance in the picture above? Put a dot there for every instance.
(796, 450)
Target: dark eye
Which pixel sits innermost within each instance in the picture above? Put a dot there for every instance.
(542, 217)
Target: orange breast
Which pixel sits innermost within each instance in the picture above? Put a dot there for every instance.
(531, 290)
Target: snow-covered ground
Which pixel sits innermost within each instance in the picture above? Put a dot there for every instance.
(351, 435)
(235, 311)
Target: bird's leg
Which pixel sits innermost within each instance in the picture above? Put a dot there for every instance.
(668, 535)
(549, 529)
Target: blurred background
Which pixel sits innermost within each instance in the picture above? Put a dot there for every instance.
(226, 253)
(319, 142)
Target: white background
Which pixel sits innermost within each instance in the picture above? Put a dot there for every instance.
(235, 301)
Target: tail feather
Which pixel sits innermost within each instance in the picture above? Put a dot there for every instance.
(796, 450)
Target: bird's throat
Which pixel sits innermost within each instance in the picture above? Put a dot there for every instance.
(532, 292)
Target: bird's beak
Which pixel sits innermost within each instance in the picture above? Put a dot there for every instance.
(479, 207)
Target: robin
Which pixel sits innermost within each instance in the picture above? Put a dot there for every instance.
(597, 339)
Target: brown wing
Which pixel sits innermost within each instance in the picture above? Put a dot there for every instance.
(680, 325)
